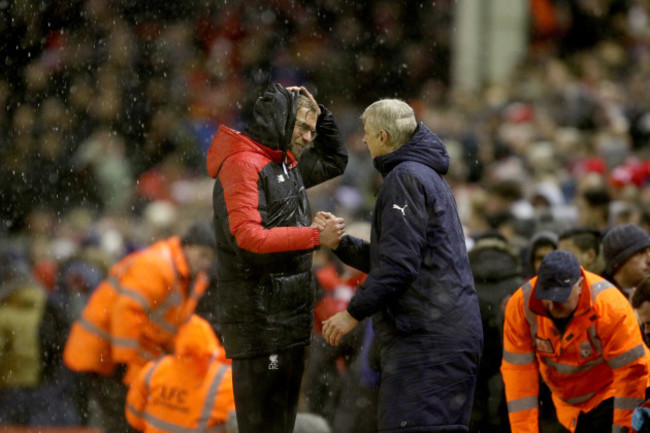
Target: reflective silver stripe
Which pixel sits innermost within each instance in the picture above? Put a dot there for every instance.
(156, 314)
(137, 297)
(135, 412)
(595, 340)
(165, 425)
(130, 343)
(518, 358)
(175, 299)
(627, 403)
(598, 287)
(531, 317)
(580, 399)
(126, 342)
(520, 404)
(625, 358)
(93, 329)
(147, 378)
(211, 397)
(619, 429)
(194, 294)
(563, 368)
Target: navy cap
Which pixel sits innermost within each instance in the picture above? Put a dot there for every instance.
(557, 274)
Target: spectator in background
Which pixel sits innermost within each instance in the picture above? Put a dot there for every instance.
(133, 316)
(626, 249)
(593, 206)
(641, 304)
(584, 243)
(497, 275)
(76, 280)
(190, 389)
(540, 244)
(22, 303)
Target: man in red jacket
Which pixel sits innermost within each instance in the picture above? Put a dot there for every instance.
(265, 237)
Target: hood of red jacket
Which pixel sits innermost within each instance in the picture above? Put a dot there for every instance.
(228, 142)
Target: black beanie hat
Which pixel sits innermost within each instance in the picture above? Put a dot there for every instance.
(200, 233)
(622, 242)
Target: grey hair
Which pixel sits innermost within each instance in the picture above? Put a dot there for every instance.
(394, 116)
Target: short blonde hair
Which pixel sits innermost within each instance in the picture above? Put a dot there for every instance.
(305, 102)
(394, 116)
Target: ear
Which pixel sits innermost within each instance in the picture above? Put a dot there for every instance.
(383, 137)
(591, 255)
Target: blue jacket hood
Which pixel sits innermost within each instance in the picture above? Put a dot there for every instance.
(424, 147)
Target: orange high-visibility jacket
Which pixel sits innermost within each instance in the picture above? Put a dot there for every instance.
(133, 315)
(189, 392)
(600, 355)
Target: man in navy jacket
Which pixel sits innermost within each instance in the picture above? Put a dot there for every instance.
(419, 289)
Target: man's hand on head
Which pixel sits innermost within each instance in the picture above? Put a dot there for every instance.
(304, 91)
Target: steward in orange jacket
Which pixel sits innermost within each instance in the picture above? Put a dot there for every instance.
(576, 330)
(133, 316)
(190, 391)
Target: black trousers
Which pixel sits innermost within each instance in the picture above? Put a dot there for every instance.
(267, 389)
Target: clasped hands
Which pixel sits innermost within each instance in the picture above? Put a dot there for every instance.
(331, 228)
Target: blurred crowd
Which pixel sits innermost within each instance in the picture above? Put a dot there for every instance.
(110, 106)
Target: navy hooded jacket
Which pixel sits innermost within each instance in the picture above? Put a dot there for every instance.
(419, 276)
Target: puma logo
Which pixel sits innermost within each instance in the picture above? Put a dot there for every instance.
(401, 209)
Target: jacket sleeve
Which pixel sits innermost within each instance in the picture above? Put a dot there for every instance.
(327, 157)
(354, 252)
(143, 286)
(403, 237)
(239, 179)
(625, 353)
(136, 399)
(519, 368)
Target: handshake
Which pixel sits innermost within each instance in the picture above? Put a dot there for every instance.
(331, 228)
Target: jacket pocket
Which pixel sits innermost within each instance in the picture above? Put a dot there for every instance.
(288, 294)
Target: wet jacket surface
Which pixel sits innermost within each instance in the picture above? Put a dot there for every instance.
(599, 355)
(134, 314)
(419, 288)
(265, 292)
